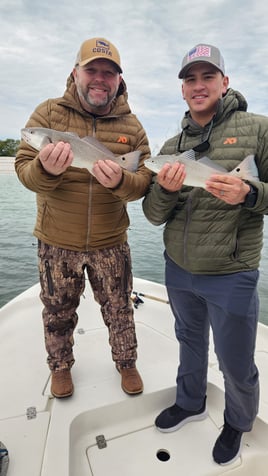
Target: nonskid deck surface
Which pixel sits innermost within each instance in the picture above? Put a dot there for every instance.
(62, 437)
(133, 446)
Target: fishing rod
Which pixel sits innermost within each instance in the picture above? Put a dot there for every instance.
(137, 300)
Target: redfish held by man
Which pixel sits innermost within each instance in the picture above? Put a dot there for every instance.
(86, 150)
(199, 171)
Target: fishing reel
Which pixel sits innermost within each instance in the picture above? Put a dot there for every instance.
(136, 300)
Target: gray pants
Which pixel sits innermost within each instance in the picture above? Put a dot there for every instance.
(229, 304)
(62, 278)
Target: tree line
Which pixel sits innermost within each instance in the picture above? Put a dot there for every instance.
(9, 147)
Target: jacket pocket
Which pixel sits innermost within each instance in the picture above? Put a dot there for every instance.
(49, 278)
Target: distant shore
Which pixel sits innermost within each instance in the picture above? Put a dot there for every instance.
(7, 165)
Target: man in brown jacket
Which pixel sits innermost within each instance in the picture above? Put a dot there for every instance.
(82, 219)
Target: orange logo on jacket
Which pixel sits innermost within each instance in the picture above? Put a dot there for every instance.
(230, 140)
(122, 140)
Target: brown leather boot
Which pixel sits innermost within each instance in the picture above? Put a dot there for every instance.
(131, 381)
(61, 383)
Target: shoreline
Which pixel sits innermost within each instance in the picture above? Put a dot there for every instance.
(7, 165)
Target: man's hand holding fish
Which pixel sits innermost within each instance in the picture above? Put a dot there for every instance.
(228, 188)
(108, 173)
(171, 176)
(56, 158)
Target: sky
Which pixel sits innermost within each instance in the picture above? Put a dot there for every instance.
(39, 41)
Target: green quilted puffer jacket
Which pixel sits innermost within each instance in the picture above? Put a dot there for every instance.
(202, 234)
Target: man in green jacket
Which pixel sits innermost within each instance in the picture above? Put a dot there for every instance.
(82, 218)
(213, 241)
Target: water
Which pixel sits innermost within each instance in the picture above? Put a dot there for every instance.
(18, 262)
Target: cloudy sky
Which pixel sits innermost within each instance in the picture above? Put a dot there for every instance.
(39, 41)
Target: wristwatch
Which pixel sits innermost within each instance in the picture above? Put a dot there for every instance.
(251, 197)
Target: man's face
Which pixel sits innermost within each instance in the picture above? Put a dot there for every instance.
(202, 87)
(97, 84)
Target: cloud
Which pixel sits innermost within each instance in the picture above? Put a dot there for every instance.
(39, 42)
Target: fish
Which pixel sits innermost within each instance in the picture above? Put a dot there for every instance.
(199, 171)
(86, 150)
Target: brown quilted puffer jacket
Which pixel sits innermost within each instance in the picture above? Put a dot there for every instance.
(73, 210)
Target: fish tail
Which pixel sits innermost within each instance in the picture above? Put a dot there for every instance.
(247, 169)
(130, 161)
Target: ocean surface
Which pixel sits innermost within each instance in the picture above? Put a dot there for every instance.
(18, 261)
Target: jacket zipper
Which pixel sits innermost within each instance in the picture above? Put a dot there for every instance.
(185, 235)
(90, 191)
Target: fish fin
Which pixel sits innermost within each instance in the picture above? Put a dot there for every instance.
(247, 169)
(213, 165)
(74, 134)
(46, 140)
(129, 161)
(187, 154)
(98, 145)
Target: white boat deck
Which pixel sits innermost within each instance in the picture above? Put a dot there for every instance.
(52, 437)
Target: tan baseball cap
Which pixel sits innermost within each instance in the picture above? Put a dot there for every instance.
(96, 48)
(202, 53)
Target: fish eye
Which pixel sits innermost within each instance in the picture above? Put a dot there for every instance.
(123, 158)
(238, 169)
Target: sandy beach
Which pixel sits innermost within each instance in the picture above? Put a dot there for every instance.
(7, 165)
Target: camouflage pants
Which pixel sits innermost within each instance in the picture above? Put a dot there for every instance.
(62, 279)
